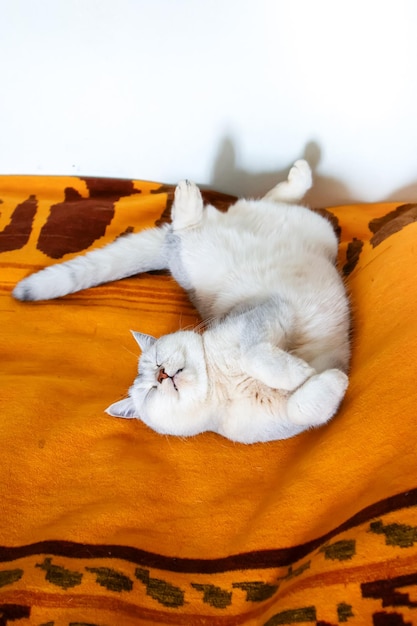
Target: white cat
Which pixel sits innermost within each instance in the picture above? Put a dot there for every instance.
(273, 359)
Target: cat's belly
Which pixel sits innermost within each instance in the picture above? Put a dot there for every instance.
(257, 418)
(254, 396)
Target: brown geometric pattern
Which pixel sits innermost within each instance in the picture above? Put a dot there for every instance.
(105, 523)
(142, 585)
(74, 224)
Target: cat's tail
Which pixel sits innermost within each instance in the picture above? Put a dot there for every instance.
(128, 255)
(295, 187)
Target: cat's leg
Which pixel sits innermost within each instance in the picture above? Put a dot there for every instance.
(128, 255)
(263, 338)
(187, 208)
(275, 367)
(294, 188)
(318, 399)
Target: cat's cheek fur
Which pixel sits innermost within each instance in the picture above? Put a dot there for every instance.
(183, 412)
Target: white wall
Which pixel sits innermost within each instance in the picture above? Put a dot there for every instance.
(225, 92)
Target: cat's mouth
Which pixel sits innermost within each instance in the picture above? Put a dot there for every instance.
(162, 375)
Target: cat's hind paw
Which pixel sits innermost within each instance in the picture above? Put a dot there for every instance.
(317, 400)
(300, 175)
(23, 292)
(297, 184)
(187, 209)
(44, 285)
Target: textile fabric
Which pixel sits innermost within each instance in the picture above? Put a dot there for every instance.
(106, 523)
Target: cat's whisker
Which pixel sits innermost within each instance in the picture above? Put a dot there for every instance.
(187, 327)
(180, 322)
(204, 324)
(130, 352)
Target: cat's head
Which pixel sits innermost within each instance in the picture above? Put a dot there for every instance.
(171, 389)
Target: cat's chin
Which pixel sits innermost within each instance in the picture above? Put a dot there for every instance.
(187, 432)
(177, 424)
(165, 415)
(180, 425)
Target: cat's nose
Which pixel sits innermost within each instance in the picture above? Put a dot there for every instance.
(161, 375)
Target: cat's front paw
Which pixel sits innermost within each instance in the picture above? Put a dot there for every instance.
(275, 367)
(187, 208)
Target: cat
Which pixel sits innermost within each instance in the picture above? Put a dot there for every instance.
(273, 359)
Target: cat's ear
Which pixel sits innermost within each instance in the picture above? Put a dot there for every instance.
(123, 408)
(144, 341)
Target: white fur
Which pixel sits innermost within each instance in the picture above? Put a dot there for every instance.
(272, 361)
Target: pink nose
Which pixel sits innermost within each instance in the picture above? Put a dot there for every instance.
(162, 375)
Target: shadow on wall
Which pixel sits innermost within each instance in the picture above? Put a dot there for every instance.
(405, 194)
(229, 178)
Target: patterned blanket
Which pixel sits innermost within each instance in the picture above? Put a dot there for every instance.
(105, 523)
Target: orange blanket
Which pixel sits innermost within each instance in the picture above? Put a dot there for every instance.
(106, 523)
